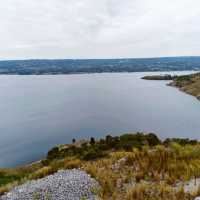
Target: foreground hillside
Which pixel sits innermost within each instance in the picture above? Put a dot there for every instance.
(189, 84)
(129, 167)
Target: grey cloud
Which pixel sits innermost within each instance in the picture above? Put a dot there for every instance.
(92, 28)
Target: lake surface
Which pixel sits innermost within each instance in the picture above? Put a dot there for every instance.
(38, 112)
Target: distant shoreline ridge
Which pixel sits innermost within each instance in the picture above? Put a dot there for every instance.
(82, 66)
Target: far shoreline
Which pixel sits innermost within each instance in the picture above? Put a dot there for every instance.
(91, 73)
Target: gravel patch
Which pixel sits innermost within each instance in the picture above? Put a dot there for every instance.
(64, 185)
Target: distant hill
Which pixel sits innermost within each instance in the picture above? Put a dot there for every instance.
(72, 66)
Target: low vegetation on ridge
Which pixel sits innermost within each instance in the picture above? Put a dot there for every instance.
(132, 166)
(189, 84)
(165, 77)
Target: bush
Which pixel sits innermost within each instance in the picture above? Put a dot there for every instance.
(53, 153)
(71, 164)
(92, 154)
(45, 162)
(180, 141)
(152, 139)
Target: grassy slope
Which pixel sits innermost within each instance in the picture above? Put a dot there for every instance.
(145, 171)
(189, 84)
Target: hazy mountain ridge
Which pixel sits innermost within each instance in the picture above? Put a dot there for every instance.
(73, 66)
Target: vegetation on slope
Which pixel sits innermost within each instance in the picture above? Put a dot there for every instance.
(132, 166)
(189, 84)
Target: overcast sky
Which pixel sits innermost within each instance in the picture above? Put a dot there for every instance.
(99, 28)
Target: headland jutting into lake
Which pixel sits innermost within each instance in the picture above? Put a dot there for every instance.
(187, 83)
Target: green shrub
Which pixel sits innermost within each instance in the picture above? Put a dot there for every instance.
(92, 154)
(53, 153)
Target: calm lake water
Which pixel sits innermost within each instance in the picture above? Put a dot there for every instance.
(38, 112)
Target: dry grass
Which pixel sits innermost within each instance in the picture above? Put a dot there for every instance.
(143, 191)
(146, 174)
(40, 173)
(149, 173)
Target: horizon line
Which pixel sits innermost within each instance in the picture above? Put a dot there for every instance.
(122, 58)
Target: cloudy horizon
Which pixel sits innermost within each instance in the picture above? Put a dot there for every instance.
(33, 29)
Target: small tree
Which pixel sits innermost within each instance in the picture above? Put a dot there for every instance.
(92, 141)
(108, 139)
(73, 140)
